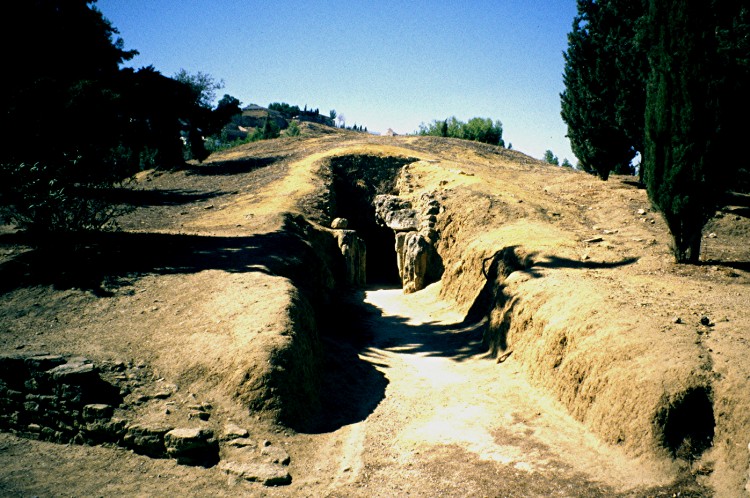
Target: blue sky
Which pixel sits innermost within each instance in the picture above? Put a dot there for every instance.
(385, 64)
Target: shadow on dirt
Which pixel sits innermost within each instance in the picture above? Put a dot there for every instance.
(102, 262)
(226, 168)
(496, 268)
(164, 197)
(354, 381)
(351, 387)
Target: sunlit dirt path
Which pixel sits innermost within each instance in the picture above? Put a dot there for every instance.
(454, 422)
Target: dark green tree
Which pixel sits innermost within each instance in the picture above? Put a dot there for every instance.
(551, 158)
(202, 84)
(444, 129)
(604, 97)
(691, 94)
(74, 123)
(60, 114)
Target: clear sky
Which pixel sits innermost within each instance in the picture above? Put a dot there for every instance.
(384, 64)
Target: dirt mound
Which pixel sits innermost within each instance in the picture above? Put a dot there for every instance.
(227, 282)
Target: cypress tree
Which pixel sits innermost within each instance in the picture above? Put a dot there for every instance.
(684, 174)
(605, 73)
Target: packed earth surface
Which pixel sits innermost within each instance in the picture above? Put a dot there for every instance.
(341, 314)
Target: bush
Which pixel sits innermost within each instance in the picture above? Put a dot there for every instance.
(44, 198)
(293, 130)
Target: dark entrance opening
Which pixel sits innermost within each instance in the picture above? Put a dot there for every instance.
(688, 424)
(357, 179)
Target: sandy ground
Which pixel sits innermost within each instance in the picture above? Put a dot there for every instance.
(451, 421)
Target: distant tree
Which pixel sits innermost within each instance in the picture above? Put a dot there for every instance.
(203, 85)
(342, 120)
(332, 114)
(691, 94)
(477, 129)
(444, 129)
(550, 158)
(268, 131)
(566, 163)
(286, 110)
(605, 85)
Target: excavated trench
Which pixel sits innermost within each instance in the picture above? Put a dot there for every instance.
(683, 422)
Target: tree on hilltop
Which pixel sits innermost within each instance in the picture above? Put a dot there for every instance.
(477, 129)
(551, 158)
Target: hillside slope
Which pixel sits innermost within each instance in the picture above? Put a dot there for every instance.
(228, 284)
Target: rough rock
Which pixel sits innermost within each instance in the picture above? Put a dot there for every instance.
(355, 255)
(275, 454)
(412, 253)
(192, 446)
(241, 442)
(396, 213)
(418, 262)
(340, 223)
(233, 431)
(146, 440)
(268, 474)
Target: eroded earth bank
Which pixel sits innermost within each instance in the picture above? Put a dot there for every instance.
(346, 315)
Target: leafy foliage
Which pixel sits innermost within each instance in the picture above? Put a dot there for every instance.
(75, 124)
(293, 129)
(477, 129)
(203, 85)
(551, 158)
(692, 92)
(286, 110)
(605, 73)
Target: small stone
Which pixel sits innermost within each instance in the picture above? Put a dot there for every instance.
(641, 211)
(593, 240)
(274, 454)
(240, 442)
(340, 223)
(677, 320)
(233, 431)
(68, 372)
(705, 321)
(192, 446)
(97, 411)
(712, 235)
(265, 473)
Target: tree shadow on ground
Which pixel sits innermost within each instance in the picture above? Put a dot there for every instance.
(351, 386)
(232, 167)
(355, 334)
(494, 295)
(157, 197)
(737, 265)
(93, 261)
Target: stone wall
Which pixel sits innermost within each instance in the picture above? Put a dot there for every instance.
(419, 263)
(68, 400)
(52, 398)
